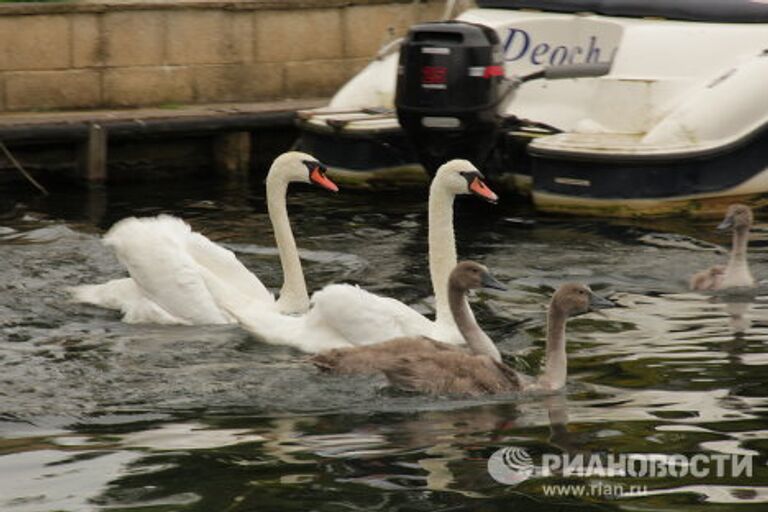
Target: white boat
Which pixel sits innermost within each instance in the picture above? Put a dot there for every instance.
(680, 123)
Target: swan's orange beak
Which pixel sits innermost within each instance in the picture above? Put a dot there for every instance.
(479, 188)
(318, 177)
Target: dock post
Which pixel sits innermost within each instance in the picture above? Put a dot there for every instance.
(232, 153)
(93, 157)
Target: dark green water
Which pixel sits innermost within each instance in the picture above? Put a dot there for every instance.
(100, 415)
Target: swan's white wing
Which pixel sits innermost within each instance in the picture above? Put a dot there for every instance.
(124, 295)
(167, 261)
(154, 251)
(271, 326)
(340, 316)
(116, 294)
(363, 318)
(227, 268)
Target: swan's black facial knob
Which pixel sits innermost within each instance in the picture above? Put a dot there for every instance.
(318, 177)
(476, 185)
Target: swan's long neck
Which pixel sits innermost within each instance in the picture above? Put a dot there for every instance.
(479, 342)
(556, 363)
(442, 245)
(293, 295)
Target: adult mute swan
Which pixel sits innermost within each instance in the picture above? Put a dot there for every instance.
(736, 273)
(174, 270)
(344, 315)
(425, 365)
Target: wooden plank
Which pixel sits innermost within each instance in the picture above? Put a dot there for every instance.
(93, 160)
(232, 153)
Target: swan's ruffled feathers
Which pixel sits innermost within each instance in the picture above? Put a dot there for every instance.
(125, 296)
(155, 252)
(225, 265)
(362, 318)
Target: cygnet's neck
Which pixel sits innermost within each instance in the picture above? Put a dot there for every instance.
(739, 245)
(737, 271)
(293, 295)
(442, 245)
(478, 341)
(555, 370)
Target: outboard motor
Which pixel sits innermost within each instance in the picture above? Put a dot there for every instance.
(449, 86)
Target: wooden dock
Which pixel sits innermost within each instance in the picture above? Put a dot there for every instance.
(88, 136)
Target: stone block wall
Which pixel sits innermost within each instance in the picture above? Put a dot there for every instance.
(63, 56)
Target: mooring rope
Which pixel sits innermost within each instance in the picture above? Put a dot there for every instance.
(21, 169)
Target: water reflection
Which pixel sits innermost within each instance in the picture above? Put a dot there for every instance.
(101, 415)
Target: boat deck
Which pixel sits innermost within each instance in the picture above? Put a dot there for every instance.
(604, 144)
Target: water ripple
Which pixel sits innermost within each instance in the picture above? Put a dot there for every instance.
(100, 415)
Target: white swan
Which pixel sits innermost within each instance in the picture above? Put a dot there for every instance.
(175, 270)
(345, 315)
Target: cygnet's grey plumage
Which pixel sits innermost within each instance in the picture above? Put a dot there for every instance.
(738, 219)
(428, 366)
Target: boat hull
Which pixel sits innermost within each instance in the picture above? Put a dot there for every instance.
(618, 185)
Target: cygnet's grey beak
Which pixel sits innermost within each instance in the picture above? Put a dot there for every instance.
(598, 302)
(726, 225)
(488, 281)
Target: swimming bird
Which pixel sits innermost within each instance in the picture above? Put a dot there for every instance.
(738, 219)
(172, 283)
(172, 268)
(428, 366)
(344, 315)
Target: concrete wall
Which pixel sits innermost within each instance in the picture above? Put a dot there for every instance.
(97, 55)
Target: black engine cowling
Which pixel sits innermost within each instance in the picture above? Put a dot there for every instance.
(449, 85)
